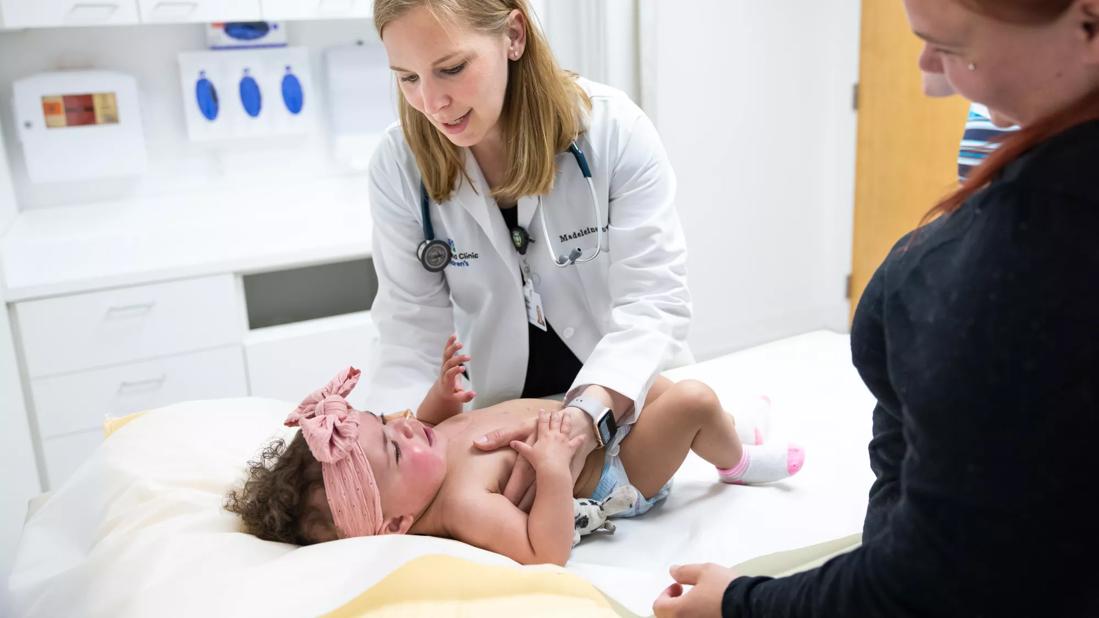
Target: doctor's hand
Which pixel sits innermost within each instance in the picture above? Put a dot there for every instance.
(519, 489)
(709, 582)
(449, 387)
(553, 448)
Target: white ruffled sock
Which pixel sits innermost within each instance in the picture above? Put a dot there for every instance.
(764, 464)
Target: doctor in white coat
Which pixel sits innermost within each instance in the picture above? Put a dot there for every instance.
(554, 283)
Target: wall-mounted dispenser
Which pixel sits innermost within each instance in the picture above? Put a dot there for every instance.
(79, 125)
(246, 93)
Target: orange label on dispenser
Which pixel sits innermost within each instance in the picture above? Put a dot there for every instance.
(78, 110)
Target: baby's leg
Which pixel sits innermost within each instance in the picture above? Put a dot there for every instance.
(688, 416)
(750, 431)
(685, 416)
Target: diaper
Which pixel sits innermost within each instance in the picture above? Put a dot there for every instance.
(614, 475)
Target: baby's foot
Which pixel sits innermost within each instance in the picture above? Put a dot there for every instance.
(764, 464)
(753, 420)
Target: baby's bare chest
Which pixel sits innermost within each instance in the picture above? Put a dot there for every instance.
(470, 468)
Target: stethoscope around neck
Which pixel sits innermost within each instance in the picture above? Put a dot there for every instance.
(435, 254)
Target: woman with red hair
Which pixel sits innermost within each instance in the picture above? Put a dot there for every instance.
(979, 337)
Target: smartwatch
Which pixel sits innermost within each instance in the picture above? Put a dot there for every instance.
(601, 415)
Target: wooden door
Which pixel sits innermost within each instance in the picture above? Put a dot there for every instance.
(907, 142)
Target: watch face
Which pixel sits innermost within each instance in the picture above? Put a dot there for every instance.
(607, 427)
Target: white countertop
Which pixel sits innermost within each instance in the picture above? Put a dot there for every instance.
(70, 249)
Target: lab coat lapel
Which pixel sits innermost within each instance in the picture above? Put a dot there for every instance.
(478, 202)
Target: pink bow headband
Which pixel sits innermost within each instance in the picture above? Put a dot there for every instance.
(330, 427)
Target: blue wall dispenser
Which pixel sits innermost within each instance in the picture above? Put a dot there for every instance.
(250, 97)
(292, 94)
(206, 95)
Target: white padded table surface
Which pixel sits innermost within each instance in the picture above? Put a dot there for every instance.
(138, 530)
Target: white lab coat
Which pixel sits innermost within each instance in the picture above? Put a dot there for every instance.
(625, 315)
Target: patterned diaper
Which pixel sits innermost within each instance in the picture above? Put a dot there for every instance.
(614, 475)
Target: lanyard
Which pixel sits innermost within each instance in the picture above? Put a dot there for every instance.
(520, 239)
(520, 235)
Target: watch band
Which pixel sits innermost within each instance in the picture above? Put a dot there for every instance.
(602, 417)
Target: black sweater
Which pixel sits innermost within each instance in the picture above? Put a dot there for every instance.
(979, 337)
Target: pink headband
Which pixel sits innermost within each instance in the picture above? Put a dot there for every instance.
(330, 427)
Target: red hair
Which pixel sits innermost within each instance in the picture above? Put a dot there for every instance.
(1024, 12)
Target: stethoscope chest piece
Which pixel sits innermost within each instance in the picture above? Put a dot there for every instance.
(434, 255)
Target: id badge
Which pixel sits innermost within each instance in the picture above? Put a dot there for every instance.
(535, 314)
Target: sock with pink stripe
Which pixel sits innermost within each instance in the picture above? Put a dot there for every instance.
(764, 464)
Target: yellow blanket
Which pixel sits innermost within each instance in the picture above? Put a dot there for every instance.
(440, 586)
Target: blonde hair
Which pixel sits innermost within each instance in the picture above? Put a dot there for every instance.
(540, 116)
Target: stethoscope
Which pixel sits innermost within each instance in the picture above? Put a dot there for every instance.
(436, 254)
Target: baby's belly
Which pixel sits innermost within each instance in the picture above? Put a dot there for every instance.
(493, 469)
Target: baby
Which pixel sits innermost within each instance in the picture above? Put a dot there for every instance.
(351, 473)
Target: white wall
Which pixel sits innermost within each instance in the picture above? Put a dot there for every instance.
(598, 40)
(176, 165)
(753, 102)
(20, 473)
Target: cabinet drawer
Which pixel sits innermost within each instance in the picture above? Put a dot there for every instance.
(177, 11)
(64, 454)
(317, 9)
(51, 13)
(80, 401)
(82, 331)
(290, 361)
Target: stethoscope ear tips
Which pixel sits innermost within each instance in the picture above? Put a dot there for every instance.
(571, 258)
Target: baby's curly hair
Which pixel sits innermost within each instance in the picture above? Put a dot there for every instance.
(283, 498)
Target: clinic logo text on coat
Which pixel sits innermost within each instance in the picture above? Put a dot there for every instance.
(461, 259)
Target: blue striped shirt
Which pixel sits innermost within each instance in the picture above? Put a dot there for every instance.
(981, 138)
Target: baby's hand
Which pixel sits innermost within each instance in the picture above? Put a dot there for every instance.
(449, 384)
(553, 447)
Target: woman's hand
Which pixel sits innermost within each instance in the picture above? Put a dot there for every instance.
(519, 489)
(553, 448)
(449, 387)
(709, 582)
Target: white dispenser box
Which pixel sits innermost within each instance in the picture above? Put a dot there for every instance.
(232, 94)
(79, 125)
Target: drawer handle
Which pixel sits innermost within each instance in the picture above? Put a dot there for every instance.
(174, 10)
(130, 311)
(142, 385)
(91, 12)
(335, 7)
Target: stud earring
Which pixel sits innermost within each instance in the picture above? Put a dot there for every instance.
(972, 66)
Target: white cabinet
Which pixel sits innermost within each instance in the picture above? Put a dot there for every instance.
(53, 13)
(82, 331)
(71, 408)
(113, 352)
(133, 387)
(317, 9)
(290, 361)
(49, 13)
(177, 11)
